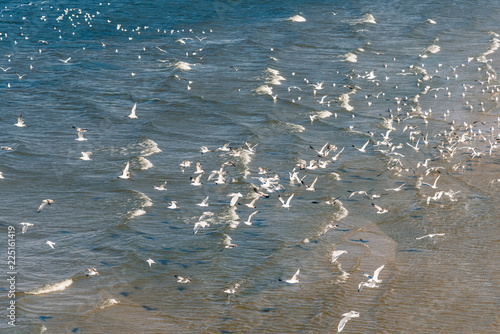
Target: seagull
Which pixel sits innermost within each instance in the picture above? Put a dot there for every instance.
(248, 222)
(85, 156)
(20, 122)
(196, 181)
(311, 187)
(232, 290)
(181, 279)
(50, 243)
(204, 202)
(334, 158)
(5, 69)
(261, 193)
(132, 112)
(224, 148)
(362, 149)
(199, 224)
(252, 203)
(91, 272)
(20, 76)
(150, 262)
(65, 60)
(199, 168)
(227, 242)
(380, 210)
(336, 254)
(45, 202)
(396, 189)
(372, 280)
(80, 132)
(346, 317)
(173, 205)
(185, 164)
(294, 278)
(234, 198)
(323, 152)
(25, 227)
(204, 150)
(125, 171)
(287, 203)
(430, 236)
(161, 187)
(433, 186)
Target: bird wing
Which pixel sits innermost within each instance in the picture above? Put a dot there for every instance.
(377, 272)
(294, 277)
(289, 199)
(281, 199)
(342, 323)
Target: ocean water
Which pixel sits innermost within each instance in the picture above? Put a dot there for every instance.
(415, 84)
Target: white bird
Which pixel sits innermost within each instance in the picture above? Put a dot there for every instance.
(336, 254)
(50, 243)
(125, 171)
(362, 149)
(45, 202)
(294, 278)
(234, 198)
(252, 203)
(5, 69)
(132, 112)
(20, 122)
(85, 156)
(372, 280)
(232, 290)
(204, 202)
(379, 209)
(199, 168)
(181, 279)
(227, 242)
(310, 187)
(334, 158)
(199, 224)
(433, 186)
(248, 221)
(91, 272)
(150, 262)
(396, 189)
(204, 150)
(65, 60)
(80, 132)
(287, 203)
(416, 148)
(346, 317)
(430, 236)
(161, 187)
(173, 205)
(196, 181)
(25, 227)
(224, 148)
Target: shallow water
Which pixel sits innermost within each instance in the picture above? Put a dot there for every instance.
(220, 72)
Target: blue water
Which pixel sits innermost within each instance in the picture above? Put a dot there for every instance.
(207, 73)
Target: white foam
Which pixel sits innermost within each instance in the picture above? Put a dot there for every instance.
(182, 65)
(150, 147)
(264, 89)
(351, 58)
(297, 18)
(433, 48)
(136, 213)
(107, 303)
(59, 286)
(145, 163)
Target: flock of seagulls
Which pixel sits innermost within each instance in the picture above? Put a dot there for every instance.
(404, 114)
